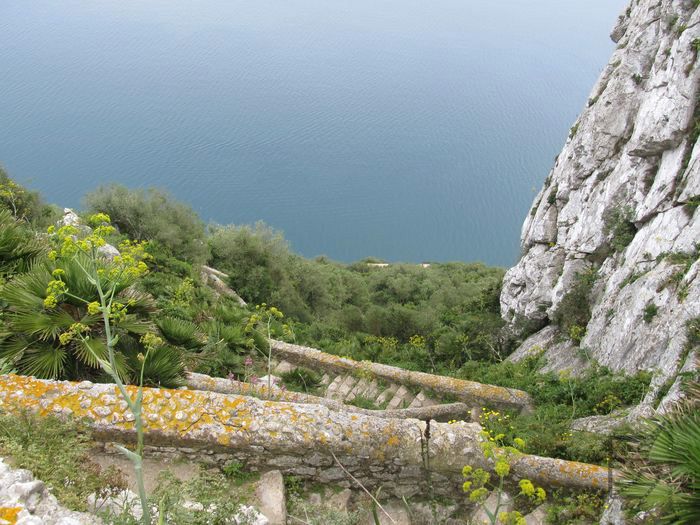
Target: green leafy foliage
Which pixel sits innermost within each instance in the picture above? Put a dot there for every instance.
(58, 453)
(19, 247)
(619, 227)
(34, 338)
(24, 205)
(154, 216)
(574, 310)
(559, 399)
(664, 475)
(301, 380)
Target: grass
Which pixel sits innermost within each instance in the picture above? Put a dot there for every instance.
(58, 453)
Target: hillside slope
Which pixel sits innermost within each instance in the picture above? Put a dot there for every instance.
(620, 206)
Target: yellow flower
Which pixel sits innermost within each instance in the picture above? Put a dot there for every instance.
(467, 471)
(526, 487)
(541, 494)
(502, 468)
(478, 495)
(519, 443)
(93, 308)
(50, 301)
(466, 486)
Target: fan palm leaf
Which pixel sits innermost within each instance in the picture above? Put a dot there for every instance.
(19, 247)
(180, 332)
(665, 473)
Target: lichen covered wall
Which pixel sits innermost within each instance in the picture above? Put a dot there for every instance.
(300, 439)
(469, 392)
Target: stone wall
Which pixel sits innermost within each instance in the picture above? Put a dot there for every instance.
(471, 393)
(299, 439)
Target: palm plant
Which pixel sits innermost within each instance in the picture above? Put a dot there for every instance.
(34, 344)
(664, 474)
(19, 247)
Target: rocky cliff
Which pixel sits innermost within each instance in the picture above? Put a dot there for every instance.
(609, 267)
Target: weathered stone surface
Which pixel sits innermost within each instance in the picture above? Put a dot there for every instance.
(494, 504)
(377, 451)
(469, 392)
(614, 512)
(537, 516)
(341, 500)
(397, 511)
(27, 501)
(270, 494)
(443, 413)
(116, 504)
(216, 279)
(628, 150)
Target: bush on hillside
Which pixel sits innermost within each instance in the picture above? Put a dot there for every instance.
(23, 204)
(153, 215)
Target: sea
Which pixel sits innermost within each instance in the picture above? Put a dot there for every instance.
(407, 130)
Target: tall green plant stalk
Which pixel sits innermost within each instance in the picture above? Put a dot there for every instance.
(261, 322)
(107, 277)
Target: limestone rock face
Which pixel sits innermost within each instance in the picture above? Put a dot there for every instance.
(629, 167)
(26, 501)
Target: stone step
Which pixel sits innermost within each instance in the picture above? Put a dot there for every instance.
(402, 398)
(372, 390)
(359, 390)
(326, 380)
(421, 400)
(333, 386)
(386, 395)
(283, 367)
(345, 387)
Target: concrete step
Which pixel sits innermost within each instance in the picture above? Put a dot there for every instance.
(402, 398)
(359, 390)
(333, 386)
(386, 395)
(345, 387)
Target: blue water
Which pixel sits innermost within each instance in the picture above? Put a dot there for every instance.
(403, 129)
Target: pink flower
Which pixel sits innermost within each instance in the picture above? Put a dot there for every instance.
(248, 361)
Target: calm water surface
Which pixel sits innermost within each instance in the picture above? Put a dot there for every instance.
(408, 130)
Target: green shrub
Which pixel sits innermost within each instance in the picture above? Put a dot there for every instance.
(23, 204)
(619, 227)
(154, 216)
(650, 311)
(559, 399)
(301, 380)
(663, 475)
(574, 311)
(364, 402)
(566, 508)
(19, 247)
(212, 490)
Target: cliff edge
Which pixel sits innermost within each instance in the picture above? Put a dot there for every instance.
(611, 245)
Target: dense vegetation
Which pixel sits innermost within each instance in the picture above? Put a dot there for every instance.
(442, 318)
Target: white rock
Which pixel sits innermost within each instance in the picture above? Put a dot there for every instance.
(628, 149)
(270, 494)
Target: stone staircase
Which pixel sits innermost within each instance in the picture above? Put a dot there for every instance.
(347, 388)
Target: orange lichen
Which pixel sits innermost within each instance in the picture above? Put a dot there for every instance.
(393, 441)
(8, 515)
